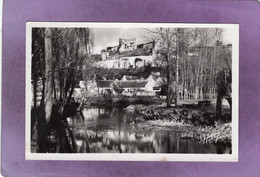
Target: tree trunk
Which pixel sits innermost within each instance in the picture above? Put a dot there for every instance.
(71, 91)
(219, 105)
(34, 117)
(177, 73)
(177, 82)
(168, 98)
(48, 99)
(61, 89)
(229, 99)
(54, 87)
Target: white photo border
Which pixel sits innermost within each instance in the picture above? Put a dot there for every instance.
(134, 156)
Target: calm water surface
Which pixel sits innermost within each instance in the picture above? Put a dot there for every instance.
(112, 130)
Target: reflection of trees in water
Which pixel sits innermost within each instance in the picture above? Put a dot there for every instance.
(223, 148)
(82, 140)
(126, 142)
(113, 141)
(166, 142)
(113, 135)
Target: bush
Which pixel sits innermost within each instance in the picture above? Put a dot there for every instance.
(122, 103)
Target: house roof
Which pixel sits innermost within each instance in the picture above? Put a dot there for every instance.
(131, 84)
(152, 77)
(161, 79)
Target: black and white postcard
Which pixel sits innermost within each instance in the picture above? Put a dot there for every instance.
(132, 91)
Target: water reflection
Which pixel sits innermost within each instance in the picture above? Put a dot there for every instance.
(112, 131)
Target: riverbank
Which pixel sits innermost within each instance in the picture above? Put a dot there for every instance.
(120, 101)
(199, 123)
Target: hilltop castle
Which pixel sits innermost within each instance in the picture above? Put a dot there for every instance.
(128, 54)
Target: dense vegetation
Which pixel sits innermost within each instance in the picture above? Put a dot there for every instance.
(58, 57)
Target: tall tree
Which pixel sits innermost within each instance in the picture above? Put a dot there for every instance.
(47, 79)
(57, 61)
(172, 44)
(224, 80)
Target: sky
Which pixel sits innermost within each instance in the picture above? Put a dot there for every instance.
(104, 37)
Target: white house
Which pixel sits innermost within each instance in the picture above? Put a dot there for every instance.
(105, 87)
(138, 87)
(91, 89)
(127, 85)
(160, 81)
(150, 83)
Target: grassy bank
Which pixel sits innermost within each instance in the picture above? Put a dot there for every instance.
(220, 133)
(121, 101)
(200, 122)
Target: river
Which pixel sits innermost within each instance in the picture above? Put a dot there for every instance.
(113, 130)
